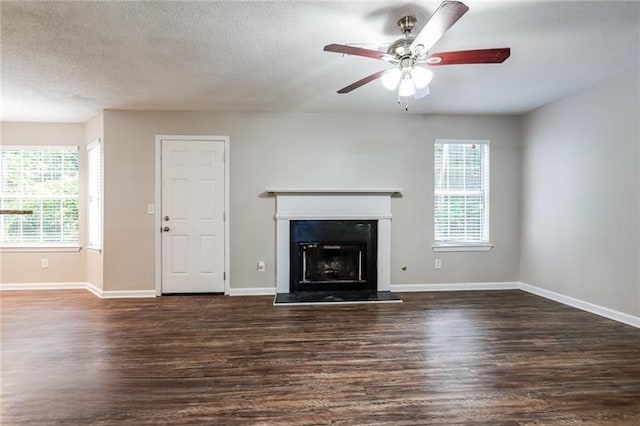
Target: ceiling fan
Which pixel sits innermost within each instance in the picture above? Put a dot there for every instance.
(410, 52)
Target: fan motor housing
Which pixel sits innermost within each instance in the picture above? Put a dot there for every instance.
(400, 47)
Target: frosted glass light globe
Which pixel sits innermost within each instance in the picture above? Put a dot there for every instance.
(406, 87)
(421, 92)
(391, 78)
(421, 77)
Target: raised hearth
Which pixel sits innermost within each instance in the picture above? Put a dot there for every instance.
(335, 297)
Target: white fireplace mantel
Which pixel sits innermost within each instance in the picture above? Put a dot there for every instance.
(390, 191)
(333, 204)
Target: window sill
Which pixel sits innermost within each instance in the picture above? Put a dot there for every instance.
(94, 250)
(40, 249)
(462, 247)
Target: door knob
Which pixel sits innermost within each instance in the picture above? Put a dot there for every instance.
(165, 229)
(166, 218)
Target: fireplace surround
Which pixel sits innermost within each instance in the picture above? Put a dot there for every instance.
(326, 205)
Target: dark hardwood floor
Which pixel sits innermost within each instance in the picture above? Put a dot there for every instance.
(499, 357)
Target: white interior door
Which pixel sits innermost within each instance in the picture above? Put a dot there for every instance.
(192, 213)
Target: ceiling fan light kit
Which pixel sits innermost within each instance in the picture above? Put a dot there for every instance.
(391, 78)
(421, 77)
(409, 80)
(408, 52)
(406, 88)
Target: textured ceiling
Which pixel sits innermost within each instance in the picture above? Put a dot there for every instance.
(64, 61)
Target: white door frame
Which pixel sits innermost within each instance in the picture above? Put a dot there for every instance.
(158, 205)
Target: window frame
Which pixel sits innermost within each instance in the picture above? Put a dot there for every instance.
(25, 246)
(439, 245)
(95, 245)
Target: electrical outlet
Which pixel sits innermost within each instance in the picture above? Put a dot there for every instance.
(262, 266)
(438, 264)
(45, 263)
(151, 209)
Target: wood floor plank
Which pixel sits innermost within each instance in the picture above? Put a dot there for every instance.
(498, 357)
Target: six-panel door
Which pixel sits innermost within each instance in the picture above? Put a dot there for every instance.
(192, 216)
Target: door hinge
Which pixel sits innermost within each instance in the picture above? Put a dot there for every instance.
(224, 216)
(224, 276)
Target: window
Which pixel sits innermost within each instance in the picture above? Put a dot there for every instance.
(461, 193)
(94, 153)
(43, 180)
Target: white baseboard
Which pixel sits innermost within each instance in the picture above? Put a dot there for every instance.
(43, 286)
(122, 294)
(270, 291)
(95, 290)
(253, 291)
(126, 294)
(581, 304)
(79, 286)
(455, 287)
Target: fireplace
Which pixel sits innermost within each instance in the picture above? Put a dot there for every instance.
(333, 255)
(369, 207)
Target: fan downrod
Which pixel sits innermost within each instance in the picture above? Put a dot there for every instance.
(400, 47)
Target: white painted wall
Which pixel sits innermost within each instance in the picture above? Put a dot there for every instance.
(310, 150)
(581, 195)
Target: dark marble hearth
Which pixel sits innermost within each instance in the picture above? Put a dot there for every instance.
(318, 297)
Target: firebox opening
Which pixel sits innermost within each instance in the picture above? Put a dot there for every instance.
(333, 255)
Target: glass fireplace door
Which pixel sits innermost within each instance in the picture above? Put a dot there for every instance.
(333, 263)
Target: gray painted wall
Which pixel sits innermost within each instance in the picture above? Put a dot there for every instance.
(64, 267)
(310, 150)
(570, 167)
(580, 195)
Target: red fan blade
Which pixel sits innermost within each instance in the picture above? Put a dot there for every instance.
(357, 51)
(362, 82)
(442, 19)
(482, 56)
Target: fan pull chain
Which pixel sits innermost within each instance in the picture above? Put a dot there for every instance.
(406, 106)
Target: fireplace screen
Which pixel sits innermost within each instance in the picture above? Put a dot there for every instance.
(332, 263)
(333, 255)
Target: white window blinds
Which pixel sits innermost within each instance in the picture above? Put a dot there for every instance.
(461, 192)
(94, 166)
(43, 180)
